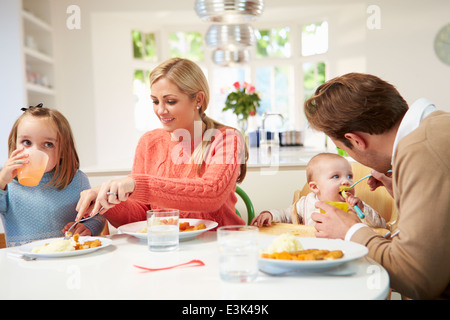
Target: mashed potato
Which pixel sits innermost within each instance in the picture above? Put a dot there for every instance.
(285, 242)
(59, 245)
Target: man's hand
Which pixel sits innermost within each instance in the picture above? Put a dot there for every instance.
(380, 179)
(334, 223)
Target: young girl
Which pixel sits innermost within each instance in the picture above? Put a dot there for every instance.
(44, 211)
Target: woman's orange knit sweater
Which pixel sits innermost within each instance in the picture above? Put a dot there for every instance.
(165, 177)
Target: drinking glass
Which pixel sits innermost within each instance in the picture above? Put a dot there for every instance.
(31, 174)
(238, 253)
(163, 229)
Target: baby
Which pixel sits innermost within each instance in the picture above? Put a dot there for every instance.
(325, 173)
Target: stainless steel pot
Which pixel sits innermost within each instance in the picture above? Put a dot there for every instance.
(291, 138)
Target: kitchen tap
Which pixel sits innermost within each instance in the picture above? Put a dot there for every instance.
(265, 115)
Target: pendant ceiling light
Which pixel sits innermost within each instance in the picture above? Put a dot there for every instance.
(228, 11)
(230, 36)
(226, 58)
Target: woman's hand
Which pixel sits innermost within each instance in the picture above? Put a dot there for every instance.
(80, 228)
(16, 161)
(86, 203)
(106, 196)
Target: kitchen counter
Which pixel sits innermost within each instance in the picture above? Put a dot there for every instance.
(258, 157)
(281, 156)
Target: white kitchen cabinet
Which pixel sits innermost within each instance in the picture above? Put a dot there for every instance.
(37, 48)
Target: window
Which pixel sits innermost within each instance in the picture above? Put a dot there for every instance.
(181, 44)
(188, 45)
(313, 76)
(283, 77)
(274, 82)
(276, 79)
(144, 116)
(220, 87)
(144, 45)
(315, 38)
(145, 56)
(273, 43)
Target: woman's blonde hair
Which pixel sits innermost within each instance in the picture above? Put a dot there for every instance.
(68, 163)
(190, 80)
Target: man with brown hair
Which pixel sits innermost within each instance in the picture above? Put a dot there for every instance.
(369, 119)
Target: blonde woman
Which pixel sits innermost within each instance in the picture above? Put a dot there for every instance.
(192, 164)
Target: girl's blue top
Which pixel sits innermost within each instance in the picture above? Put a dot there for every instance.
(41, 212)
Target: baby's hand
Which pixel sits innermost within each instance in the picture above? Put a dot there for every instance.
(352, 201)
(263, 218)
(16, 161)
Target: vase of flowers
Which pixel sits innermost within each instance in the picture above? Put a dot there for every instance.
(244, 101)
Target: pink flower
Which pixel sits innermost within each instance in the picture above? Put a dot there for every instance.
(243, 101)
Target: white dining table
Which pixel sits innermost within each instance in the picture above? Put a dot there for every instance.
(111, 273)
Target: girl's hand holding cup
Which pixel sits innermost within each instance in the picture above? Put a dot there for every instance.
(17, 160)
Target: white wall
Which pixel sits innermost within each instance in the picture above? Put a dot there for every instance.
(402, 53)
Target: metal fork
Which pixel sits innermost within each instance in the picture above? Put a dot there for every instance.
(68, 234)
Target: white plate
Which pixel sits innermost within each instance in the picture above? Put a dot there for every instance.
(27, 249)
(134, 228)
(351, 250)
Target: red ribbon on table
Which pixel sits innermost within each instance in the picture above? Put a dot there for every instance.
(192, 263)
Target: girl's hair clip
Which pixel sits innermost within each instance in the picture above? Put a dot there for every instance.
(40, 105)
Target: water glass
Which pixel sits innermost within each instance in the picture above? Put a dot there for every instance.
(238, 253)
(163, 229)
(31, 174)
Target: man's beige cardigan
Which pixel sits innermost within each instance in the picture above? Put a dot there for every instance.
(418, 258)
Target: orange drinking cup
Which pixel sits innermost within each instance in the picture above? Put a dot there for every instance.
(340, 205)
(32, 173)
